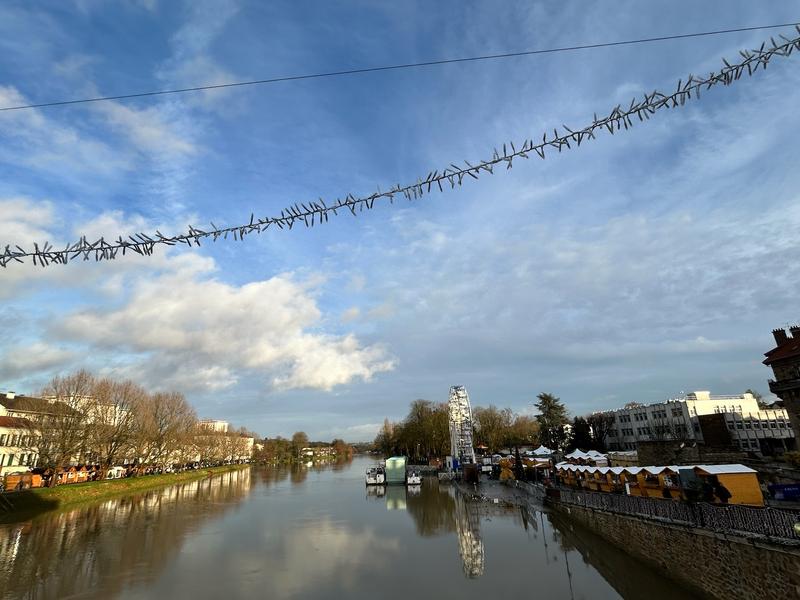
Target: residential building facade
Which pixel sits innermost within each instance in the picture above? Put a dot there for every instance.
(215, 425)
(750, 427)
(18, 444)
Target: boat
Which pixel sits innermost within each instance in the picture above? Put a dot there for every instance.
(375, 476)
(413, 478)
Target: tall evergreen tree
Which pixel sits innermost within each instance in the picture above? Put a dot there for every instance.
(551, 418)
(581, 435)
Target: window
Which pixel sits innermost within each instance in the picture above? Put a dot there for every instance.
(3, 440)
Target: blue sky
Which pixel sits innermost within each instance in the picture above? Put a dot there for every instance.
(641, 265)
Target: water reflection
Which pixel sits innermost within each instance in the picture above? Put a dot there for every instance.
(315, 532)
(470, 544)
(298, 473)
(99, 547)
(440, 510)
(447, 509)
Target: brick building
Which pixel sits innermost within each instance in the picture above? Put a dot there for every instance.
(784, 359)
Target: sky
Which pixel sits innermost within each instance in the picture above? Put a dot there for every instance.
(637, 267)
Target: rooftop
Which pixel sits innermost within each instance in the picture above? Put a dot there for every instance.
(655, 470)
(14, 422)
(788, 347)
(26, 404)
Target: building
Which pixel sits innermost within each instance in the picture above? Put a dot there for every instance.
(18, 443)
(25, 407)
(784, 359)
(215, 426)
(749, 427)
(46, 414)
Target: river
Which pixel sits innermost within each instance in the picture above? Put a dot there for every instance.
(314, 532)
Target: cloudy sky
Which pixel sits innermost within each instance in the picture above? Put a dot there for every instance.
(641, 265)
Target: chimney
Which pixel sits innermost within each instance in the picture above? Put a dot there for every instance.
(795, 329)
(780, 336)
(10, 395)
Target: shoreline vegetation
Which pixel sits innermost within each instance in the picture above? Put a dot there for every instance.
(32, 503)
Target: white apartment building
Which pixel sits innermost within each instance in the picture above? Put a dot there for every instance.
(750, 427)
(18, 444)
(215, 426)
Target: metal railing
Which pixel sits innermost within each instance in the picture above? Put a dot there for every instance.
(778, 524)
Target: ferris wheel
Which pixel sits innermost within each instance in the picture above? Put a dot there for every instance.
(460, 416)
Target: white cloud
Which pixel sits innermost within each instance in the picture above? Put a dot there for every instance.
(154, 130)
(24, 359)
(191, 63)
(36, 141)
(360, 433)
(23, 220)
(351, 314)
(338, 554)
(187, 329)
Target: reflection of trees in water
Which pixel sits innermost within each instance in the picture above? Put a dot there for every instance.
(433, 510)
(272, 475)
(297, 473)
(93, 551)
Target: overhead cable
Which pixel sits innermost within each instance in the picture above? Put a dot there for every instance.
(429, 63)
(317, 212)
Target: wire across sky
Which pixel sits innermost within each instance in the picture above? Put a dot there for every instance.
(397, 67)
(452, 175)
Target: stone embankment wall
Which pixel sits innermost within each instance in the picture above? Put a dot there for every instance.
(720, 566)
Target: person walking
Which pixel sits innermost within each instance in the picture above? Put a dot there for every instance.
(722, 493)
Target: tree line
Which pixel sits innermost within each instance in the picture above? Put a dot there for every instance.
(108, 422)
(281, 450)
(425, 432)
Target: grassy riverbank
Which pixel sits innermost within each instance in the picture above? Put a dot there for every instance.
(31, 503)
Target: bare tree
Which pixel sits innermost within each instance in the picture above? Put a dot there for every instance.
(493, 425)
(112, 419)
(62, 421)
(600, 424)
(142, 431)
(172, 424)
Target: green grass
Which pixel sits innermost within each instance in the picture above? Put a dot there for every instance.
(33, 502)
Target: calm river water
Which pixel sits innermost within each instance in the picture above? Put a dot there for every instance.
(313, 533)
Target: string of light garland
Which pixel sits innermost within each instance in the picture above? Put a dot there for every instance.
(317, 212)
